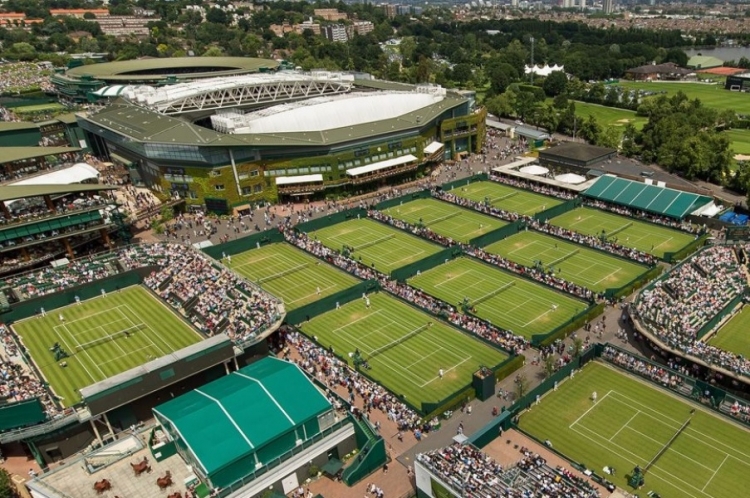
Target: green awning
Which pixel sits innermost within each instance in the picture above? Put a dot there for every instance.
(332, 467)
(118, 158)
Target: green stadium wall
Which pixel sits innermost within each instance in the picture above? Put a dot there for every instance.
(245, 243)
(558, 210)
(481, 177)
(674, 257)
(497, 235)
(331, 219)
(396, 201)
(427, 263)
(21, 414)
(328, 303)
(575, 323)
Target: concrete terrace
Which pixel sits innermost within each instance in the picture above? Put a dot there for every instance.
(74, 481)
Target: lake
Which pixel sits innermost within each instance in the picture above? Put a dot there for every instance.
(723, 53)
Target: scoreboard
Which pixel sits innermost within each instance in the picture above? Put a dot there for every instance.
(738, 233)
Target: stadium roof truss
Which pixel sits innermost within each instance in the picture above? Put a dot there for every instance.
(252, 89)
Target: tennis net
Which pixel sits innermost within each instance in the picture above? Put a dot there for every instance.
(446, 217)
(492, 294)
(283, 273)
(618, 230)
(666, 446)
(503, 197)
(373, 242)
(110, 337)
(400, 340)
(564, 257)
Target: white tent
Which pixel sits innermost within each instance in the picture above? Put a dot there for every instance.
(570, 178)
(75, 174)
(534, 169)
(545, 70)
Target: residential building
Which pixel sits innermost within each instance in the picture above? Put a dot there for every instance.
(335, 32)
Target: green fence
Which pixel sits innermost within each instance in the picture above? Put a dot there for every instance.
(720, 316)
(496, 235)
(371, 457)
(555, 211)
(389, 203)
(674, 257)
(21, 414)
(331, 219)
(245, 243)
(25, 309)
(328, 303)
(571, 325)
(481, 177)
(408, 271)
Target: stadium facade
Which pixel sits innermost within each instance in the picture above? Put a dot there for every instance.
(224, 143)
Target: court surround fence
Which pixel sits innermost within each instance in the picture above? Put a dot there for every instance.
(244, 243)
(497, 235)
(331, 219)
(558, 210)
(328, 303)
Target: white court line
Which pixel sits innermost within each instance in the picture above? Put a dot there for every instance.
(659, 245)
(587, 411)
(126, 354)
(453, 278)
(101, 327)
(448, 370)
(151, 330)
(94, 314)
(357, 320)
(644, 436)
(537, 318)
(605, 277)
(715, 472)
(441, 348)
(624, 426)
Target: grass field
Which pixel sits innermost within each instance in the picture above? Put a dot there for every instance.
(507, 301)
(710, 95)
(644, 236)
(104, 336)
(734, 335)
(505, 197)
(740, 140)
(630, 424)
(376, 244)
(593, 269)
(446, 219)
(609, 116)
(410, 367)
(291, 274)
(51, 107)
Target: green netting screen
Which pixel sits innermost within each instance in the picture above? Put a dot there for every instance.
(21, 414)
(496, 235)
(554, 211)
(245, 243)
(389, 203)
(331, 219)
(328, 303)
(424, 264)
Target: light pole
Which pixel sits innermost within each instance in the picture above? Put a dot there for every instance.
(531, 73)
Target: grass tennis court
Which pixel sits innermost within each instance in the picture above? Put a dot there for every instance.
(630, 424)
(50, 107)
(410, 367)
(446, 219)
(291, 274)
(644, 236)
(734, 335)
(376, 244)
(505, 197)
(103, 337)
(593, 269)
(508, 301)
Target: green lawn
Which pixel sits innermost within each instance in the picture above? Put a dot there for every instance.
(446, 219)
(734, 335)
(290, 273)
(630, 423)
(410, 367)
(740, 140)
(609, 116)
(590, 268)
(505, 197)
(711, 95)
(506, 300)
(376, 244)
(104, 336)
(51, 107)
(644, 236)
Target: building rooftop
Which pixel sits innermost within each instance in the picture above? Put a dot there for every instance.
(665, 68)
(248, 409)
(12, 154)
(10, 192)
(576, 151)
(704, 61)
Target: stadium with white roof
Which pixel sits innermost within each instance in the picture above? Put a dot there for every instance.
(225, 142)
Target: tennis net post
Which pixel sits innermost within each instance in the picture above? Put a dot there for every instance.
(398, 341)
(110, 337)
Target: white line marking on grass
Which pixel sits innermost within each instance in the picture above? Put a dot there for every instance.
(581, 220)
(639, 461)
(126, 354)
(357, 320)
(425, 357)
(587, 411)
(605, 277)
(626, 425)
(448, 370)
(72, 350)
(452, 278)
(645, 436)
(645, 407)
(148, 327)
(715, 472)
(659, 245)
(537, 318)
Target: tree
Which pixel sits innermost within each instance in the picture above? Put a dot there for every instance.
(549, 366)
(609, 137)
(216, 15)
(589, 129)
(502, 105)
(629, 146)
(7, 488)
(577, 347)
(522, 386)
(555, 83)
(677, 56)
(213, 52)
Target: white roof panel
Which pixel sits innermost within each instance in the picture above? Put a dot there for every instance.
(396, 161)
(75, 174)
(433, 147)
(292, 180)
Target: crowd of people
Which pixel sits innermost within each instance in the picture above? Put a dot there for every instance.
(475, 474)
(676, 308)
(504, 338)
(335, 373)
(20, 77)
(682, 225)
(539, 188)
(651, 371)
